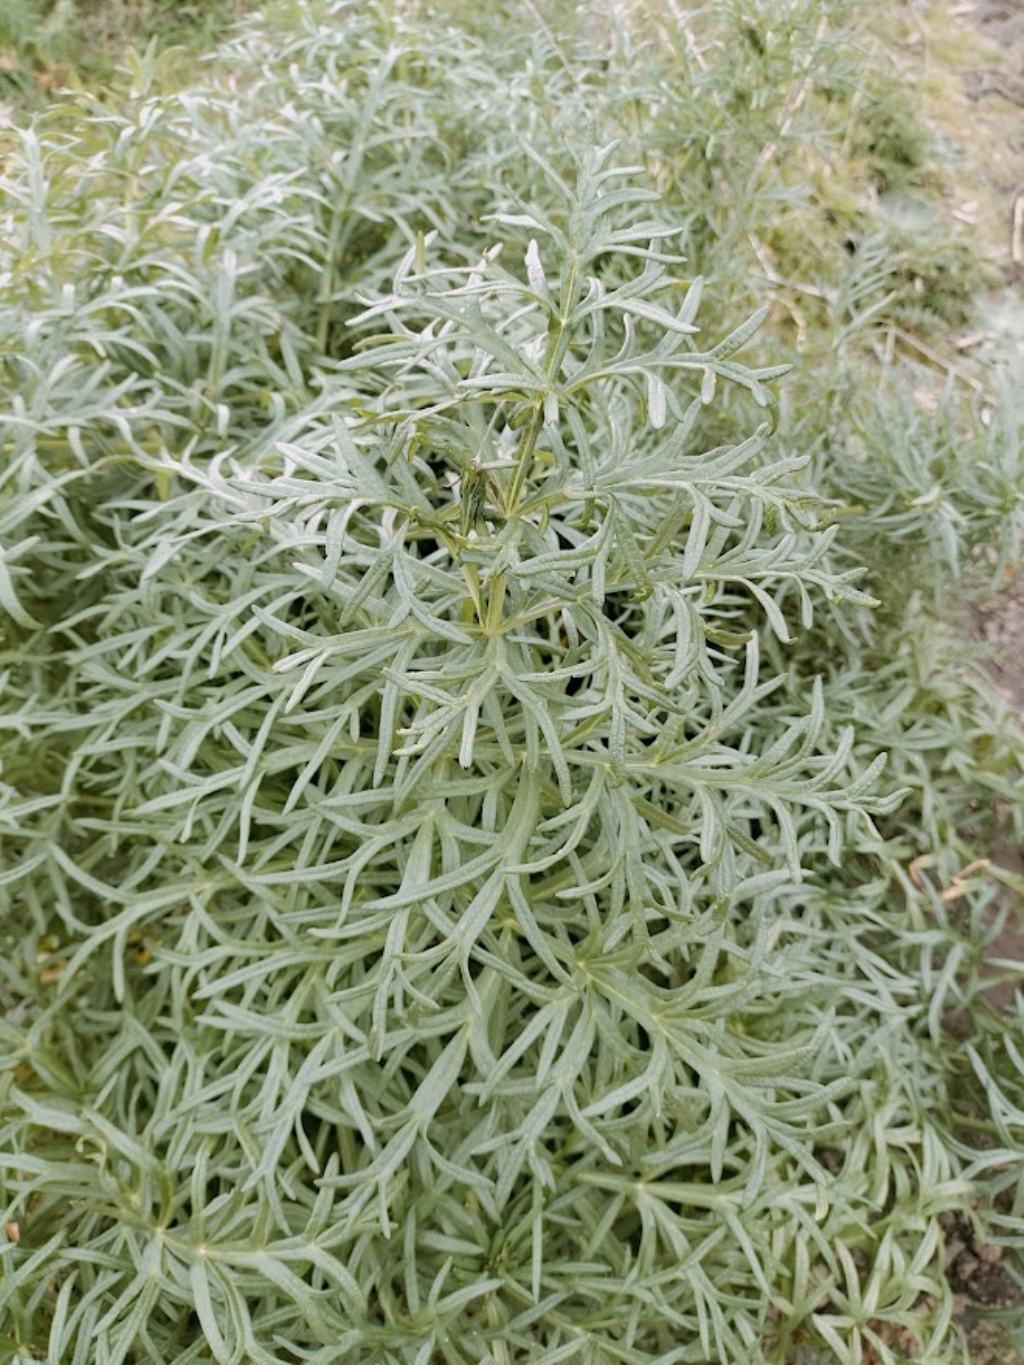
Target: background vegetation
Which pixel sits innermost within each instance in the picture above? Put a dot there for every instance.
(372, 989)
(48, 44)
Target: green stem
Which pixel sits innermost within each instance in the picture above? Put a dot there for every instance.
(557, 347)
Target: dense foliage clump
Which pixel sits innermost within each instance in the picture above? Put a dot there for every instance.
(456, 905)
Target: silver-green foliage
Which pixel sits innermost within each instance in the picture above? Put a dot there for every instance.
(946, 487)
(444, 915)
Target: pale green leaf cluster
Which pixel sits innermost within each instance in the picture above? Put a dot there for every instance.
(454, 904)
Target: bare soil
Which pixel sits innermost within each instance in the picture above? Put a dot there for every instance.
(999, 625)
(981, 1283)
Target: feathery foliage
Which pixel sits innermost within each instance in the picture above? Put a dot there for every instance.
(455, 906)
